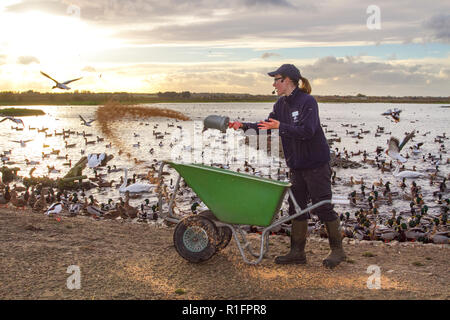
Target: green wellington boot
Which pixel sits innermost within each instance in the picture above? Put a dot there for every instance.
(298, 240)
(337, 254)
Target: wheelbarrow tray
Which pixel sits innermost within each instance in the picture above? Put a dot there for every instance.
(233, 197)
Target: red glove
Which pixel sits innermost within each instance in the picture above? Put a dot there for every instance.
(235, 125)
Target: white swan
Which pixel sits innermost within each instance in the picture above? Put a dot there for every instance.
(94, 159)
(407, 174)
(135, 187)
(60, 85)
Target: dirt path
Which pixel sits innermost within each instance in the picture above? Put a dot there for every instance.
(123, 260)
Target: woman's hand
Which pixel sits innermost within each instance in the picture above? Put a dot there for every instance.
(271, 124)
(235, 125)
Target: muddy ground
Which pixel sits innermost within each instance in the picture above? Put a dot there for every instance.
(123, 260)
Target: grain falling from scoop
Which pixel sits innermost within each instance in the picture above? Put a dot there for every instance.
(114, 111)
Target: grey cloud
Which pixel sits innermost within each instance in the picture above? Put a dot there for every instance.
(440, 25)
(330, 67)
(187, 21)
(176, 21)
(329, 75)
(141, 11)
(278, 25)
(56, 7)
(27, 60)
(343, 73)
(267, 55)
(276, 3)
(446, 71)
(225, 29)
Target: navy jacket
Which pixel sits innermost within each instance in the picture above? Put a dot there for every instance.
(304, 143)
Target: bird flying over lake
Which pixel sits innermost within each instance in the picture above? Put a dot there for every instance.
(22, 142)
(416, 148)
(395, 114)
(60, 85)
(394, 147)
(15, 120)
(86, 123)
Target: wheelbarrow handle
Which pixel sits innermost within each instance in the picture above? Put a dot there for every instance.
(340, 201)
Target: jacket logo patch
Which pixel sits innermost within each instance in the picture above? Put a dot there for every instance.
(295, 116)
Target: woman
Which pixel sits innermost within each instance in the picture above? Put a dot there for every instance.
(307, 154)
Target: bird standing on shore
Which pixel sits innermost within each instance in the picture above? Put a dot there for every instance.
(5, 197)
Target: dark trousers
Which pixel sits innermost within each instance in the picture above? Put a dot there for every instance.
(314, 184)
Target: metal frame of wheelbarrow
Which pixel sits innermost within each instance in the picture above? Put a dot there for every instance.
(236, 228)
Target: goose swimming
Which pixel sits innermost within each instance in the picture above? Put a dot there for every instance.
(60, 85)
(31, 163)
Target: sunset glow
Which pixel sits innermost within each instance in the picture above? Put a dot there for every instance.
(148, 46)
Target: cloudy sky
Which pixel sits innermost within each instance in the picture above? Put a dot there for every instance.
(377, 47)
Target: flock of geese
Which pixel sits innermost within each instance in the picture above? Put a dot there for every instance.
(374, 216)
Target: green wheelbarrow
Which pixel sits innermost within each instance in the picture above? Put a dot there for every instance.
(234, 199)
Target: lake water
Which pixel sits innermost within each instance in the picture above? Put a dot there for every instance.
(424, 118)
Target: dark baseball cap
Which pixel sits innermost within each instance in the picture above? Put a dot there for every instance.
(287, 70)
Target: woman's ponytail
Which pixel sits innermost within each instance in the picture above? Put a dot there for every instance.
(306, 87)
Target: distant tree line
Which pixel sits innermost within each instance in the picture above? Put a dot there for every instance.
(91, 98)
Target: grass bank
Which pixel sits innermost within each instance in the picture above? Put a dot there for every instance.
(20, 112)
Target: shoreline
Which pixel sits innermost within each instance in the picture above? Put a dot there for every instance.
(130, 261)
(311, 236)
(82, 99)
(74, 104)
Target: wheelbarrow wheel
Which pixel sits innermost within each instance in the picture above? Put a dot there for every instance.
(195, 238)
(225, 233)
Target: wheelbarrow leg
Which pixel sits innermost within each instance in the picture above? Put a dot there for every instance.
(172, 199)
(170, 215)
(249, 248)
(246, 244)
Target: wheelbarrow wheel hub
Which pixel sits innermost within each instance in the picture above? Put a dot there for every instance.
(195, 239)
